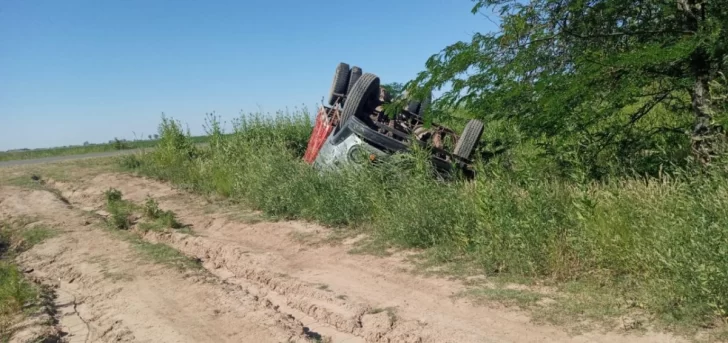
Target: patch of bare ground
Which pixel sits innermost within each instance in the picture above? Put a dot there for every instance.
(370, 298)
(107, 292)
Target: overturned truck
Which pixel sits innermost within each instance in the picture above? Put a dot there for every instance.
(353, 127)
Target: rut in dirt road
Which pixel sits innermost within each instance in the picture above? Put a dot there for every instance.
(369, 297)
(108, 293)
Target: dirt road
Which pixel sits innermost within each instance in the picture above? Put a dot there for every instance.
(258, 281)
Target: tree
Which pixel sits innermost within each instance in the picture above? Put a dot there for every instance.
(150, 137)
(394, 89)
(595, 74)
(156, 136)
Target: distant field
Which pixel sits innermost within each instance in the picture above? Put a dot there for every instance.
(80, 150)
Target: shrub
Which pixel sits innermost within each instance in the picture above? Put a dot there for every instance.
(151, 208)
(112, 195)
(163, 218)
(658, 240)
(119, 215)
(130, 161)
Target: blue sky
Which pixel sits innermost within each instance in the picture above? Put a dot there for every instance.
(91, 70)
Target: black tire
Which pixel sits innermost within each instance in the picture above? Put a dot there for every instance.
(424, 105)
(365, 89)
(469, 139)
(354, 75)
(340, 82)
(413, 106)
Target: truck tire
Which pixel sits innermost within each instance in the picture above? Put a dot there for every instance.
(469, 139)
(340, 82)
(354, 75)
(413, 106)
(365, 89)
(424, 105)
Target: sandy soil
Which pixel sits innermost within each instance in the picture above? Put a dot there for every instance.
(261, 282)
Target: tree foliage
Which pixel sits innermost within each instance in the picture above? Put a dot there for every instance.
(623, 78)
(394, 89)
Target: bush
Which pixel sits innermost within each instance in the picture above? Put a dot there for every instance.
(169, 219)
(130, 161)
(164, 218)
(119, 215)
(112, 195)
(151, 208)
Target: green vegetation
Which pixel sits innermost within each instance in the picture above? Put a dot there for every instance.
(163, 254)
(120, 211)
(159, 219)
(603, 87)
(654, 241)
(26, 154)
(34, 235)
(601, 168)
(17, 295)
(121, 219)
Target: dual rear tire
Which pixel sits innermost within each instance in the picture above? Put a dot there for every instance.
(344, 80)
(360, 90)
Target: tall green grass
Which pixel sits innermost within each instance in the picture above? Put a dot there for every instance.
(659, 242)
(17, 295)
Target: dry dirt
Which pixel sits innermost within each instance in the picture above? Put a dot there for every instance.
(260, 283)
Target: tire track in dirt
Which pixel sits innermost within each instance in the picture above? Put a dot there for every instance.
(366, 296)
(107, 293)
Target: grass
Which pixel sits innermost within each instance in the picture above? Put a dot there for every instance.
(163, 254)
(17, 295)
(66, 171)
(120, 221)
(513, 297)
(36, 235)
(73, 150)
(656, 241)
(160, 217)
(121, 214)
(82, 149)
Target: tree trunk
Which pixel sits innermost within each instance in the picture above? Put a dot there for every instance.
(702, 135)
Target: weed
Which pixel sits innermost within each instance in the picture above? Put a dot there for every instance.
(36, 235)
(119, 215)
(22, 234)
(112, 195)
(151, 208)
(169, 219)
(160, 218)
(164, 254)
(130, 161)
(120, 211)
(16, 293)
